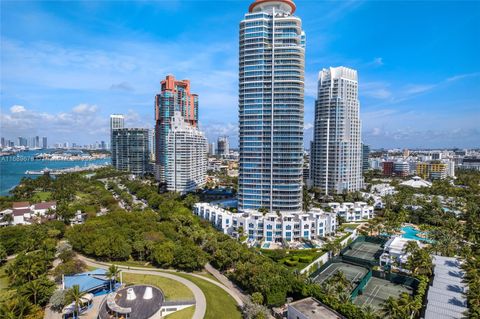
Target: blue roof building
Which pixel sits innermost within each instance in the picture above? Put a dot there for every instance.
(91, 281)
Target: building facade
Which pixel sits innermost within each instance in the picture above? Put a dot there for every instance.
(130, 151)
(353, 211)
(186, 162)
(365, 155)
(223, 147)
(175, 96)
(336, 159)
(269, 227)
(271, 94)
(117, 121)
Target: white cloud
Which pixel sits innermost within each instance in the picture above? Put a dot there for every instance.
(419, 88)
(17, 109)
(82, 119)
(85, 108)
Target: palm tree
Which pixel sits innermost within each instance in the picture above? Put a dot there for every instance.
(411, 247)
(75, 295)
(390, 308)
(31, 290)
(369, 312)
(344, 297)
(329, 289)
(14, 308)
(112, 274)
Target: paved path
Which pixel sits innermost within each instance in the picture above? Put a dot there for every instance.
(239, 294)
(200, 301)
(229, 288)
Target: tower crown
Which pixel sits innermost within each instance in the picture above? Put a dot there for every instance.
(286, 5)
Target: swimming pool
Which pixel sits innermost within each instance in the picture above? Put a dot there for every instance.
(410, 232)
(266, 245)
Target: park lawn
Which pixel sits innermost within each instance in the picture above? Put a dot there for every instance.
(3, 277)
(42, 196)
(206, 275)
(186, 313)
(294, 257)
(172, 289)
(219, 303)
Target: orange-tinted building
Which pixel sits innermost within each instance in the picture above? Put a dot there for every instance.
(175, 96)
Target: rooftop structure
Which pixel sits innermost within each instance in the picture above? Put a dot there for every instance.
(416, 182)
(311, 308)
(446, 299)
(90, 281)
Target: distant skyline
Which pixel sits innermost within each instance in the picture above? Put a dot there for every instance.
(66, 66)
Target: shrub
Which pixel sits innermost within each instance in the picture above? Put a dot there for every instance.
(305, 259)
(291, 263)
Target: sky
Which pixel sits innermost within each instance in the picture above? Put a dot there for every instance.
(67, 65)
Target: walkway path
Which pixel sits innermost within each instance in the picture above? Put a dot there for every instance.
(240, 295)
(200, 301)
(236, 295)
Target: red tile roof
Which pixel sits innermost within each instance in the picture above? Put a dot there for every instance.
(44, 205)
(21, 212)
(17, 205)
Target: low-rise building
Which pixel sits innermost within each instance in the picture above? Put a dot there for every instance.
(394, 251)
(41, 209)
(269, 227)
(311, 308)
(416, 182)
(353, 211)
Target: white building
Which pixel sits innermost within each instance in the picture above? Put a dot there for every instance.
(394, 251)
(41, 209)
(336, 151)
(269, 227)
(383, 189)
(416, 182)
(353, 211)
(186, 167)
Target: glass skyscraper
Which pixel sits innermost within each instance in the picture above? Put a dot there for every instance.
(271, 98)
(336, 159)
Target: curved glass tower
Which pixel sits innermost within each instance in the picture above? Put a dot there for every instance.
(271, 93)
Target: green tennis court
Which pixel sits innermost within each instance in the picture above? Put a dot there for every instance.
(378, 290)
(352, 272)
(364, 250)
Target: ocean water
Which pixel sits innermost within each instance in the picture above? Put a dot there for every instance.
(12, 168)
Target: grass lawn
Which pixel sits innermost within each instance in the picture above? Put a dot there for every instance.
(219, 303)
(293, 259)
(186, 313)
(3, 277)
(172, 289)
(348, 225)
(42, 196)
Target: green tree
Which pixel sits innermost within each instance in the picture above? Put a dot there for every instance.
(257, 298)
(112, 274)
(38, 291)
(75, 295)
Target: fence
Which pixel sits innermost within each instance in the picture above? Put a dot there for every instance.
(397, 278)
(361, 285)
(316, 264)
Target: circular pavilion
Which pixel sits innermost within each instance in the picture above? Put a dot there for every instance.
(138, 301)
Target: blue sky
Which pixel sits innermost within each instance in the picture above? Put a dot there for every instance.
(65, 66)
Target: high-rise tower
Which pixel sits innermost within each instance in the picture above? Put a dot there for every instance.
(271, 92)
(174, 97)
(180, 148)
(336, 159)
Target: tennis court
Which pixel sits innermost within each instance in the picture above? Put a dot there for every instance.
(378, 290)
(352, 272)
(364, 250)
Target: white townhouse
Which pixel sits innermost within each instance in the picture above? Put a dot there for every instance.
(353, 211)
(41, 209)
(269, 227)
